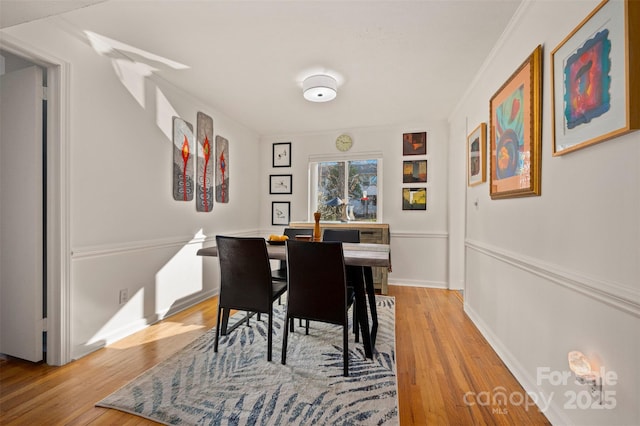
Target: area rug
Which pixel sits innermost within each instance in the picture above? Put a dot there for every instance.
(237, 386)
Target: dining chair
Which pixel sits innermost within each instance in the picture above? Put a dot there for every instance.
(245, 280)
(317, 289)
(347, 236)
(280, 274)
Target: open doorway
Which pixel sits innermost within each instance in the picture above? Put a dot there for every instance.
(51, 164)
(23, 257)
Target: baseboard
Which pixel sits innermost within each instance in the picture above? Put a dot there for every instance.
(553, 414)
(140, 324)
(418, 283)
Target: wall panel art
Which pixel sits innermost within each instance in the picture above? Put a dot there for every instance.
(183, 157)
(204, 181)
(222, 170)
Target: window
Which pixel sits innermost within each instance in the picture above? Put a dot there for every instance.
(345, 190)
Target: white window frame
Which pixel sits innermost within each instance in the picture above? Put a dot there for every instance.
(359, 156)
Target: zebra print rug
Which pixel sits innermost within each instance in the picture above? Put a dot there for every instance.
(237, 386)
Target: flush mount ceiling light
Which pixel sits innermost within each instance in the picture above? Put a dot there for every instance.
(319, 88)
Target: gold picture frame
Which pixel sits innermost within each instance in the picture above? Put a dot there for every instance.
(594, 78)
(477, 155)
(515, 132)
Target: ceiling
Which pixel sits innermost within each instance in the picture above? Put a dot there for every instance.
(397, 62)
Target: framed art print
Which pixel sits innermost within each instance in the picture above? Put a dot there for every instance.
(414, 198)
(477, 155)
(282, 154)
(280, 184)
(414, 171)
(280, 211)
(414, 143)
(594, 78)
(515, 132)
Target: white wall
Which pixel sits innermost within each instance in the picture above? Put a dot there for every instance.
(419, 240)
(550, 274)
(126, 231)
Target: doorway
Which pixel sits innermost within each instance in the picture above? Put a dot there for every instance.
(54, 284)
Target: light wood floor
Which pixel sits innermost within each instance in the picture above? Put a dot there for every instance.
(441, 357)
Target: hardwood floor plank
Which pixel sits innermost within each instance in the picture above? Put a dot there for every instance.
(440, 358)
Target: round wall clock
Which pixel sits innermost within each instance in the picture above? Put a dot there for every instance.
(344, 142)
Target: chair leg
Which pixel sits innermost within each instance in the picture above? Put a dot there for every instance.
(356, 326)
(283, 360)
(269, 336)
(306, 328)
(345, 350)
(215, 346)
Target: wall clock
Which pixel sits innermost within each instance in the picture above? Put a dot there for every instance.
(344, 142)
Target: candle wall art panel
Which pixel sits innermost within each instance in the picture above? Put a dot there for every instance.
(204, 178)
(183, 159)
(222, 170)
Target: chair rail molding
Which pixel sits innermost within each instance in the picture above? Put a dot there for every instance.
(84, 252)
(438, 234)
(611, 293)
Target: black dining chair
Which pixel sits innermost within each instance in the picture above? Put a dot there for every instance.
(353, 272)
(280, 274)
(245, 280)
(317, 289)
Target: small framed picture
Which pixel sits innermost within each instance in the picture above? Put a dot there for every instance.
(476, 156)
(414, 171)
(280, 184)
(280, 211)
(414, 198)
(282, 154)
(414, 143)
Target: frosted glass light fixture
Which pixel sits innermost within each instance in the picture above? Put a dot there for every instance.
(580, 366)
(320, 88)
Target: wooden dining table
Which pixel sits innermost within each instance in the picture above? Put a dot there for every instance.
(355, 254)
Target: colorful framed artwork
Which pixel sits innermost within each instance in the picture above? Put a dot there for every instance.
(280, 211)
(414, 143)
(414, 198)
(183, 154)
(414, 171)
(280, 184)
(594, 78)
(204, 181)
(282, 154)
(477, 155)
(515, 113)
(222, 170)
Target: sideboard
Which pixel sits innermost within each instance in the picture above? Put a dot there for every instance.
(370, 232)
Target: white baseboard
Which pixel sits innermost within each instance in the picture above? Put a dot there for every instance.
(138, 325)
(553, 414)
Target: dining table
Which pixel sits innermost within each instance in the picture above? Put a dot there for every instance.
(355, 254)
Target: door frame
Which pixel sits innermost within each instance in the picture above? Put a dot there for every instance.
(58, 276)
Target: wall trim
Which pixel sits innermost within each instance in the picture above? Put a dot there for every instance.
(613, 294)
(513, 24)
(84, 252)
(553, 414)
(439, 234)
(418, 283)
(140, 324)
